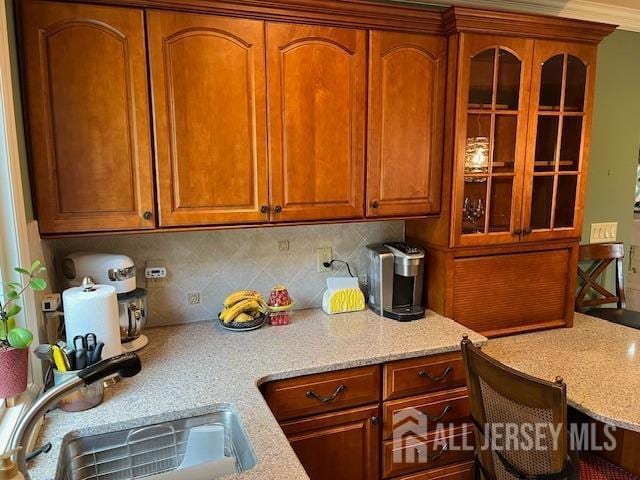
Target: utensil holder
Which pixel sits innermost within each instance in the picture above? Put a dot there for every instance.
(82, 399)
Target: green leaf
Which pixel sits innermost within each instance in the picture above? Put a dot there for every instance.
(35, 265)
(14, 285)
(38, 283)
(14, 310)
(11, 295)
(11, 324)
(20, 338)
(23, 271)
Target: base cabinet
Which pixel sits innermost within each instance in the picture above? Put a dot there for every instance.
(338, 446)
(415, 421)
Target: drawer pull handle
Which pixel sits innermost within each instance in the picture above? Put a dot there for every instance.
(444, 448)
(445, 410)
(437, 379)
(330, 398)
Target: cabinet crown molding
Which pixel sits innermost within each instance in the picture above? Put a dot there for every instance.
(463, 19)
(419, 16)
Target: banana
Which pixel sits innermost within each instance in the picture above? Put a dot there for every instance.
(248, 304)
(243, 318)
(240, 295)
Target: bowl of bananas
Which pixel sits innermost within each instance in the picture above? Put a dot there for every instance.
(243, 310)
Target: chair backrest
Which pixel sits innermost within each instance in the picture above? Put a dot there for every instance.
(500, 395)
(601, 255)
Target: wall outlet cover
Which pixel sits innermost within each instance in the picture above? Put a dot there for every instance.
(603, 232)
(193, 298)
(324, 255)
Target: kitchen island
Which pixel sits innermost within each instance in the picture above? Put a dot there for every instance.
(194, 369)
(598, 360)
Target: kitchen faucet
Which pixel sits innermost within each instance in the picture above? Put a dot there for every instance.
(125, 365)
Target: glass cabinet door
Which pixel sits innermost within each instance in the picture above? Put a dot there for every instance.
(490, 154)
(556, 155)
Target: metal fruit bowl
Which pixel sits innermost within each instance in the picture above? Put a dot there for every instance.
(254, 324)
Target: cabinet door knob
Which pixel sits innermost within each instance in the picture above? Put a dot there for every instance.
(264, 209)
(375, 420)
(517, 231)
(527, 230)
(147, 215)
(278, 209)
(375, 204)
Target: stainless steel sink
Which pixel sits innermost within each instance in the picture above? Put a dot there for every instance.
(149, 450)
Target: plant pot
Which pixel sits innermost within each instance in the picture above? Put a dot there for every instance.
(14, 368)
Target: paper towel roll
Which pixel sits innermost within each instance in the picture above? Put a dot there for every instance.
(93, 311)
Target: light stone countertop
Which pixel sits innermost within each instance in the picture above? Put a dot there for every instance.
(193, 369)
(598, 360)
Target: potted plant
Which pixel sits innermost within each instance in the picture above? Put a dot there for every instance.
(15, 341)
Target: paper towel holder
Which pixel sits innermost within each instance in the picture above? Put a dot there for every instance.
(88, 284)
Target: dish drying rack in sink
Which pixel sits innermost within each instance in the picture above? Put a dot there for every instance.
(146, 451)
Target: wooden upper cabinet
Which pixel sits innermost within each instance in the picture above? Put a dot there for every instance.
(86, 86)
(209, 110)
(316, 86)
(406, 113)
(494, 73)
(558, 148)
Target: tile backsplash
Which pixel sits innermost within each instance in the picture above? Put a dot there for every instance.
(215, 263)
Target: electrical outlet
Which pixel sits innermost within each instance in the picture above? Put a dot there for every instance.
(155, 273)
(603, 232)
(283, 245)
(324, 255)
(193, 298)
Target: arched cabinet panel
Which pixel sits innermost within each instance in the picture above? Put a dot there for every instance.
(558, 150)
(490, 139)
(86, 85)
(316, 87)
(406, 114)
(209, 110)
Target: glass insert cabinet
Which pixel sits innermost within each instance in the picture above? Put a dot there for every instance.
(522, 114)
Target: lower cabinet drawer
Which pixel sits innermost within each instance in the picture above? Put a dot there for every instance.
(428, 410)
(417, 376)
(460, 471)
(323, 392)
(410, 453)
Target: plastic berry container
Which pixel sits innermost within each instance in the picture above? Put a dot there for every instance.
(280, 304)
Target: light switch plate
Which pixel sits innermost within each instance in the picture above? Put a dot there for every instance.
(157, 280)
(603, 232)
(324, 255)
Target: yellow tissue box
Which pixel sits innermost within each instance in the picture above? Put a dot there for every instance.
(342, 295)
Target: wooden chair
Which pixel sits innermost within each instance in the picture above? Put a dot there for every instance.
(602, 255)
(500, 395)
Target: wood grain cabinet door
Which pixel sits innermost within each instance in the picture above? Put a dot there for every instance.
(562, 86)
(86, 85)
(316, 83)
(406, 110)
(209, 109)
(490, 139)
(342, 445)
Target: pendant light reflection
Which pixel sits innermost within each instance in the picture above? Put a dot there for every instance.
(476, 158)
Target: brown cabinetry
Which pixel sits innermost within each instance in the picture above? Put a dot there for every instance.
(343, 446)
(209, 110)
(427, 434)
(503, 252)
(317, 100)
(86, 89)
(406, 114)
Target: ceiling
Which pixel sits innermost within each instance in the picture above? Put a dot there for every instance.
(624, 13)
